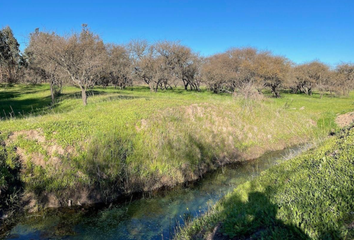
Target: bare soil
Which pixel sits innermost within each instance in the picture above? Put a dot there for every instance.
(345, 120)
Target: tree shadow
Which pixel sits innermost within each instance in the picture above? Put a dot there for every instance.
(198, 156)
(254, 219)
(12, 106)
(122, 97)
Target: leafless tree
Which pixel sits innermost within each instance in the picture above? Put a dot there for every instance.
(217, 73)
(311, 75)
(78, 55)
(165, 65)
(180, 64)
(117, 67)
(273, 70)
(242, 71)
(344, 78)
(39, 68)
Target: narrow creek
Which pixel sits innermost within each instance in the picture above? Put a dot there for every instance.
(152, 216)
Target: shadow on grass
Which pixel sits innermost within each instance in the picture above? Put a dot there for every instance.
(177, 90)
(11, 104)
(12, 107)
(121, 97)
(11, 189)
(254, 219)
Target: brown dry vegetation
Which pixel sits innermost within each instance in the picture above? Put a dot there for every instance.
(345, 120)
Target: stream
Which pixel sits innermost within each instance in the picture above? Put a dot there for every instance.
(150, 216)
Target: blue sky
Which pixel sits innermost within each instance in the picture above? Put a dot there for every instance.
(298, 29)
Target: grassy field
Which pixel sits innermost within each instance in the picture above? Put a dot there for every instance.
(310, 197)
(133, 140)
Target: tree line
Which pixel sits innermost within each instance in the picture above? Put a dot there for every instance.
(84, 60)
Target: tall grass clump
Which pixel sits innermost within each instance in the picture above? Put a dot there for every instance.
(10, 186)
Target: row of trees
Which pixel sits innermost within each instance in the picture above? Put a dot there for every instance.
(84, 60)
(245, 70)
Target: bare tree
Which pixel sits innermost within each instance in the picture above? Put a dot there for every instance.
(273, 70)
(38, 66)
(344, 78)
(165, 65)
(245, 72)
(152, 69)
(119, 66)
(180, 64)
(217, 73)
(78, 55)
(311, 75)
(244, 67)
(146, 68)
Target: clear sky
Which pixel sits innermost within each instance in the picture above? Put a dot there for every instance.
(302, 30)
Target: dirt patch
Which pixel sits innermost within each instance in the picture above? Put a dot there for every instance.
(36, 135)
(345, 119)
(143, 125)
(53, 151)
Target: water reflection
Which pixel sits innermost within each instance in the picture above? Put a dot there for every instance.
(155, 217)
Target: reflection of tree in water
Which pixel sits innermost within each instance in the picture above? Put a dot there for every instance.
(255, 219)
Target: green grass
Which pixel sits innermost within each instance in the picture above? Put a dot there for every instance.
(134, 140)
(307, 197)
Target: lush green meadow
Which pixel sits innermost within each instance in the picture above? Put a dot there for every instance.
(133, 140)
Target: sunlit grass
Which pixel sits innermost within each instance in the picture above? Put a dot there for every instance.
(307, 197)
(134, 140)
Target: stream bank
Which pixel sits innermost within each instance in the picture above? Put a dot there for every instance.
(155, 215)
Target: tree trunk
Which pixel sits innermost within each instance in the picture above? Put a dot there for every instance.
(275, 94)
(52, 92)
(9, 80)
(186, 86)
(84, 96)
(309, 91)
(60, 88)
(151, 86)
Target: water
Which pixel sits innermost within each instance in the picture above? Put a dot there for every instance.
(152, 216)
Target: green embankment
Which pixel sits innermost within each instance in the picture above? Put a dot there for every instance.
(310, 196)
(134, 140)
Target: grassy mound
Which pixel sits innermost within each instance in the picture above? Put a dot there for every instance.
(307, 197)
(132, 140)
